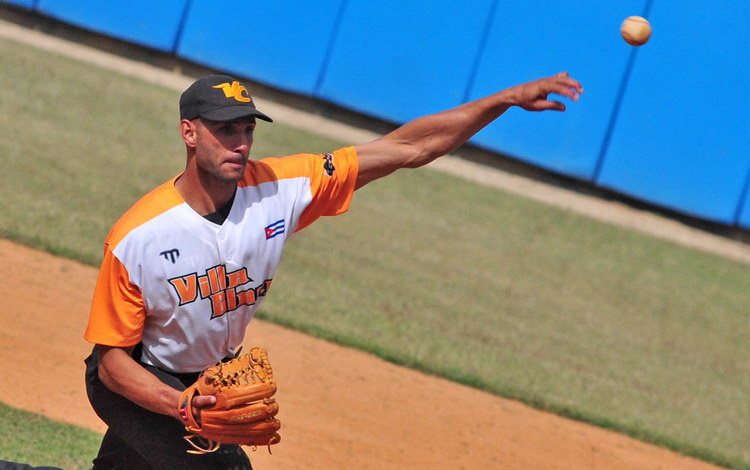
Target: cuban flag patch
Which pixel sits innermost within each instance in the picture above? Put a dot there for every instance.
(276, 228)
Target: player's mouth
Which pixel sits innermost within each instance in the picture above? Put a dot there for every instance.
(236, 162)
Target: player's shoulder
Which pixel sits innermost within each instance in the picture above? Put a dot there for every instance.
(300, 165)
(151, 205)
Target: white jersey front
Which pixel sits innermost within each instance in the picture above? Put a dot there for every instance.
(185, 287)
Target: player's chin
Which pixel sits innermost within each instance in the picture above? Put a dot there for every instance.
(232, 172)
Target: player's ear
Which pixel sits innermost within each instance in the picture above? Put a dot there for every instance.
(187, 132)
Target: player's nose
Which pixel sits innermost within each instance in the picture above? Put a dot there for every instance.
(243, 144)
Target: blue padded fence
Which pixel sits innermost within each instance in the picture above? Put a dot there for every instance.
(283, 44)
(681, 139)
(399, 59)
(23, 3)
(664, 123)
(529, 40)
(149, 23)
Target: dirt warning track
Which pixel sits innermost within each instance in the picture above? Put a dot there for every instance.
(340, 408)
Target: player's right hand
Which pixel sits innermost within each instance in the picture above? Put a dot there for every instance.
(532, 96)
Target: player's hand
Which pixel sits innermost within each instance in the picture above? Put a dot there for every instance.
(202, 401)
(533, 96)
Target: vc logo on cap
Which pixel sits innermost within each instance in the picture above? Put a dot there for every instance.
(235, 90)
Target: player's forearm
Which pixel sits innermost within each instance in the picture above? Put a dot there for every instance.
(438, 134)
(421, 141)
(121, 374)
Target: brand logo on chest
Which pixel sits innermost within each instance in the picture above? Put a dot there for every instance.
(226, 290)
(170, 255)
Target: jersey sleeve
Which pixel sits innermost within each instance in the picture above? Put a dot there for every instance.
(329, 180)
(333, 178)
(117, 314)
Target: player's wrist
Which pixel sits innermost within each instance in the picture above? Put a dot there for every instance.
(504, 99)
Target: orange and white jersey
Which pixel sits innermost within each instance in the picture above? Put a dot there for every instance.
(185, 287)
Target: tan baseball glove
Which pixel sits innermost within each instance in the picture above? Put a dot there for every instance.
(244, 410)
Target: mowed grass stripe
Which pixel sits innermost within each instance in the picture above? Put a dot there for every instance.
(518, 298)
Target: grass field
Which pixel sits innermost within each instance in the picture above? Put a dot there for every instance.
(35, 440)
(520, 299)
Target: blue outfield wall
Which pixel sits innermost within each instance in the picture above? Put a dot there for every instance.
(681, 139)
(664, 123)
(30, 4)
(283, 44)
(744, 208)
(533, 39)
(149, 23)
(400, 59)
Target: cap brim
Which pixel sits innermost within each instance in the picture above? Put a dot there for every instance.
(231, 113)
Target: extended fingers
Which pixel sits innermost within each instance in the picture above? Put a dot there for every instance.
(560, 84)
(550, 105)
(563, 85)
(568, 92)
(534, 96)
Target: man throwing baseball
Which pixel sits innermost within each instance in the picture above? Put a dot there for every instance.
(186, 267)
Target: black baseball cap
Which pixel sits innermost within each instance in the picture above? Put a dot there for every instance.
(218, 98)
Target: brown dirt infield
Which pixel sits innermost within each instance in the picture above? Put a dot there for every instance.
(340, 408)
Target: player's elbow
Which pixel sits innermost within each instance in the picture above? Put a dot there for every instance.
(388, 154)
(110, 361)
(105, 376)
(414, 156)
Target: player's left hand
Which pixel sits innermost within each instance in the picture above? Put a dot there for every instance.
(533, 96)
(243, 412)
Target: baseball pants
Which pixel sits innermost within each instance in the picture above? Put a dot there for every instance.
(140, 439)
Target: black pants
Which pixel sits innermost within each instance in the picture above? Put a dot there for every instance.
(140, 439)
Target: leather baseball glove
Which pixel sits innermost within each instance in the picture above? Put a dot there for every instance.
(244, 410)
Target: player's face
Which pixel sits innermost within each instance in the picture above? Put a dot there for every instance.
(222, 148)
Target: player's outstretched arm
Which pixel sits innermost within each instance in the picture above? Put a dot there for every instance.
(424, 139)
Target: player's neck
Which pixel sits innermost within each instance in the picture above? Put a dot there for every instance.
(204, 195)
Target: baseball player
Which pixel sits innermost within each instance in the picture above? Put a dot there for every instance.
(186, 267)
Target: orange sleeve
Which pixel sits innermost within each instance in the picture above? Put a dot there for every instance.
(333, 178)
(117, 312)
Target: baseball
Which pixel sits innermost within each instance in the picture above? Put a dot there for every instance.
(635, 30)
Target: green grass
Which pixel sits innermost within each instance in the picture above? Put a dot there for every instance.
(38, 441)
(523, 300)
(527, 301)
